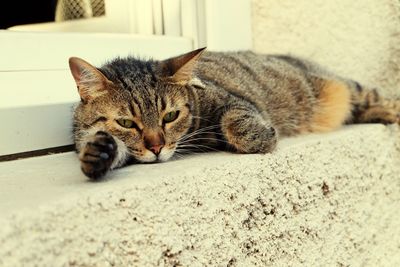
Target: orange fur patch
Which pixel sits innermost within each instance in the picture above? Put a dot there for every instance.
(333, 108)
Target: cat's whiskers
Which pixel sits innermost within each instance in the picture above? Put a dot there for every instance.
(204, 138)
(197, 146)
(197, 132)
(206, 128)
(182, 152)
(178, 155)
(186, 140)
(206, 135)
(190, 138)
(201, 118)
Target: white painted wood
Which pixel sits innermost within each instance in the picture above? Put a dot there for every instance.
(172, 17)
(201, 23)
(49, 51)
(35, 110)
(222, 25)
(35, 127)
(158, 17)
(130, 9)
(22, 89)
(228, 25)
(190, 21)
(144, 16)
(37, 89)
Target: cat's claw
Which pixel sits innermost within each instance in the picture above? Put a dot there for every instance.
(98, 155)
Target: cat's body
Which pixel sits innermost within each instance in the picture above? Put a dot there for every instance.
(238, 101)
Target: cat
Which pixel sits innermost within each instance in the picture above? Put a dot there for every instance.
(134, 110)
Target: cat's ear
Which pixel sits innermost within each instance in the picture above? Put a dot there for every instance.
(90, 82)
(179, 69)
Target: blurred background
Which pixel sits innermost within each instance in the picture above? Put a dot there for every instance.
(192, 19)
(33, 12)
(49, 11)
(354, 38)
(357, 39)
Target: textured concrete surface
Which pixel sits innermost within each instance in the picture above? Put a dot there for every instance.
(320, 200)
(357, 39)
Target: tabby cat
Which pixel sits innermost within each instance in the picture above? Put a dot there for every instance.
(135, 110)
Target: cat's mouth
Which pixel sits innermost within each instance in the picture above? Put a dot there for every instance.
(150, 157)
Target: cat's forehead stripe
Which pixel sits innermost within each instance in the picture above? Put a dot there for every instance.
(163, 103)
(120, 77)
(131, 73)
(157, 102)
(131, 108)
(136, 101)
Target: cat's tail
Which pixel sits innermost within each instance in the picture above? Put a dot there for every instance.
(341, 101)
(368, 106)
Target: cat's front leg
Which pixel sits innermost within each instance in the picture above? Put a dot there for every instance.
(98, 154)
(247, 131)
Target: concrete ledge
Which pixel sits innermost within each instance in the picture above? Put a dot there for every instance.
(320, 200)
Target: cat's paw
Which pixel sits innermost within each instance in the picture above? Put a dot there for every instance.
(98, 155)
(268, 140)
(263, 140)
(256, 139)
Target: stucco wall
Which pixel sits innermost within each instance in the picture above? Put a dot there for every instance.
(358, 39)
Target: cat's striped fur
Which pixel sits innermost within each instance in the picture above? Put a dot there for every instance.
(239, 101)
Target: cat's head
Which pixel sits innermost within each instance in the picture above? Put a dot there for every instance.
(146, 105)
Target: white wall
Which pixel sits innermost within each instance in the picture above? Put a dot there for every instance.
(358, 38)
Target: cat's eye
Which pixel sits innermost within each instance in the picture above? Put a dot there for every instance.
(127, 123)
(170, 116)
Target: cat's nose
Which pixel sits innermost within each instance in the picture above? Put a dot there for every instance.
(156, 149)
(154, 142)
